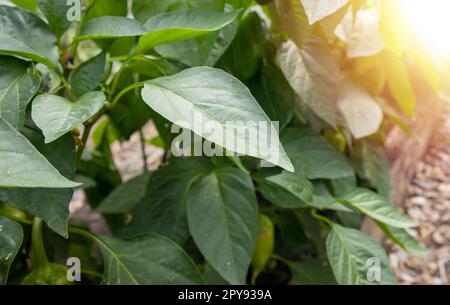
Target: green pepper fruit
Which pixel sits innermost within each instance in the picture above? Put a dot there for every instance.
(336, 139)
(264, 246)
(15, 213)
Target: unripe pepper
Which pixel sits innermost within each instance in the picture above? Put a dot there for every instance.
(264, 246)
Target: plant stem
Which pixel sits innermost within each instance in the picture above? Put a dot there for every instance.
(144, 155)
(320, 217)
(84, 139)
(66, 85)
(12, 217)
(125, 91)
(37, 244)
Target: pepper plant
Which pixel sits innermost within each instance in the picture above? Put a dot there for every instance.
(76, 77)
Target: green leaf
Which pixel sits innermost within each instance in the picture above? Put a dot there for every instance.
(213, 97)
(223, 219)
(210, 47)
(111, 27)
(144, 9)
(399, 82)
(243, 58)
(402, 238)
(152, 66)
(313, 156)
(361, 112)
(212, 277)
(99, 8)
(275, 193)
(314, 74)
(323, 199)
(273, 93)
(376, 207)
(18, 84)
(126, 196)
(28, 4)
(147, 259)
(56, 116)
(55, 11)
(163, 209)
(88, 75)
(317, 9)
(375, 165)
(313, 230)
(311, 272)
(181, 25)
(21, 164)
(351, 253)
(11, 236)
(51, 205)
(360, 30)
(24, 34)
(286, 190)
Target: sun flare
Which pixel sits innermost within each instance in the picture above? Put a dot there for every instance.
(430, 22)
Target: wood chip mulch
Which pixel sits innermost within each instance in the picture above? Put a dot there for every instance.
(428, 204)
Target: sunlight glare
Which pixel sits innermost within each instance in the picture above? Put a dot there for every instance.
(430, 22)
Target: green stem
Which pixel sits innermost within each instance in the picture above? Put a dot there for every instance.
(320, 217)
(18, 219)
(66, 85)
(84, 139)
(116, 78)
(39, 257)
(125, 91)
(144, 155)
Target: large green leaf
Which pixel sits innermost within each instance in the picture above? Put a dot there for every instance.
(51, 205)
(125, 196)
(223, 219)
(111, 27)
(313, 156)
(243, 58)
(18, 84)
(376, 207)
(351, 254)
(317, 9)
(209, 47)
(314, 74)
(210, 97)
(11, 236)
(88, 75)
(163, 208)
(56, 116)
(181, 25)
(24, 34)
(147, 259)
(22, 165)
(55, 11)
